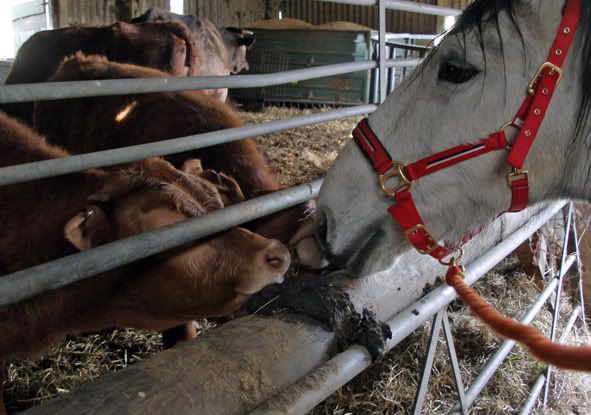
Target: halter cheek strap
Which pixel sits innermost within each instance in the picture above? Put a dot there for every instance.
(528, 119)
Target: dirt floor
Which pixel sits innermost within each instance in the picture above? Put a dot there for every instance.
(386, 388)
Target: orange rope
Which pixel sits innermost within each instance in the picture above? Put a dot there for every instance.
(560, 355)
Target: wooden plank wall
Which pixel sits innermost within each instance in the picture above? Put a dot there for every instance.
(76, 12)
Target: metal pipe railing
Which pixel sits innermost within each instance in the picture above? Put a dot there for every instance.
(304, 396)
(402, 5)
(80, 89)
(57, 167)
(541, 380)
(48, 91)
(500, 355)
(27, 283)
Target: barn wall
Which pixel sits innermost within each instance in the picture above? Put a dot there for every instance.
(237, 13)
(244, 12)
(75, 12)
(456, 4)
(317, 13)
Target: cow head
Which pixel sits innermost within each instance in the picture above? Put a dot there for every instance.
(204, 278)
(167, 46)
(237, 42)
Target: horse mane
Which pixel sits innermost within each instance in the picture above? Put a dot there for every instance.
(481, 12)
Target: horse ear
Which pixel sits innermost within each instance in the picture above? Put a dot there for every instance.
(89, 229)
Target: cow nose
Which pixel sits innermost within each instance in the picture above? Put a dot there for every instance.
(277, 256)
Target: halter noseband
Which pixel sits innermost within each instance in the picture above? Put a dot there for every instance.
(527, 120)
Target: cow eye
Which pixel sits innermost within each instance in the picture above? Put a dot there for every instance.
(456, 72)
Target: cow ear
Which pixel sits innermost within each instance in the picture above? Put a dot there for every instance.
(89, 229)
(227, 187)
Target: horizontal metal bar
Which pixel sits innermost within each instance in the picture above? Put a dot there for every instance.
(533, 395)
(27, 283)
(403, 63)
(500, 355)
(80, 89)
(569, 325)
(539, 384)
(57, 167)
(348, 364)
(95, 88)
(406, 6)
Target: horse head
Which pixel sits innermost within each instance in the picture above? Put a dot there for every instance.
(468, 87)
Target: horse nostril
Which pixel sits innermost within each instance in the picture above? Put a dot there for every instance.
(321, 227)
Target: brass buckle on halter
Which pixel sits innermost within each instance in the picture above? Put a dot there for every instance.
(433, 243)
(396, 170)
(546, 65)
(516, 174)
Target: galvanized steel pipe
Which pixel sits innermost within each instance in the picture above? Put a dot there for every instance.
(27, 283)
(48, 91)
(80, 89)
(56, 167)
(541, 380)
(500, 355)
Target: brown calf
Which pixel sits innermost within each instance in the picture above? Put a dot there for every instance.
(101, 123)
(47, 219)
(166, 46)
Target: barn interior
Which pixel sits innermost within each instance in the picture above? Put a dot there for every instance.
(292, 35)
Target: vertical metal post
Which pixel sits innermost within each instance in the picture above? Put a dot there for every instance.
(47, 11)
(426, 372)
(439, 320)
(382, 49)
(562, 270)
(575, 249)
(453, 357)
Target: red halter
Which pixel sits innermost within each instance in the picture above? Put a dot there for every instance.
(527, 120)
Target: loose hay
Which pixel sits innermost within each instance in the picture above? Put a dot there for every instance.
(388, 387)
(304, 154)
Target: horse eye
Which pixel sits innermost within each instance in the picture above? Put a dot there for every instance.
(456, 73)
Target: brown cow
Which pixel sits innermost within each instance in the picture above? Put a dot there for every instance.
(166, 46)
(101, 123)
(222, 50)
(209, 278)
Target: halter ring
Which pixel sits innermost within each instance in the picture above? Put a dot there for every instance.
(453, 261)
(396, 170)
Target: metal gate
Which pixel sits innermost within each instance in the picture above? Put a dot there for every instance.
(25, 284)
